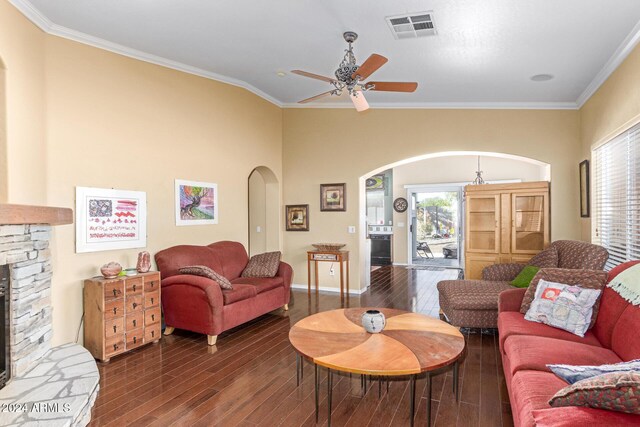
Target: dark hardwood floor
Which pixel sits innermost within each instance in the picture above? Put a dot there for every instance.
(249, 377)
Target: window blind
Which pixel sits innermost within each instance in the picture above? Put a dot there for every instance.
(616, 197)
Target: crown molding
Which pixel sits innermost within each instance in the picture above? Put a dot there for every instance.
(46, 25)
(447, 105)
(35, 16)
(621, 53)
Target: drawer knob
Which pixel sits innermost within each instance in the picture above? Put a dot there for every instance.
(134, 322)
(151, 300)
(134, 288)
(134, 340)
(153, 317)
(153, 333)
(135, 305)
(114, 328)
(115, 347)
(115, 293)
(115, 310)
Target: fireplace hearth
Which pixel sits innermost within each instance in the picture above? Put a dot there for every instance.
(5, 341)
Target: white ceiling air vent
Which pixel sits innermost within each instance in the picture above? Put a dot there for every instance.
(411, 26)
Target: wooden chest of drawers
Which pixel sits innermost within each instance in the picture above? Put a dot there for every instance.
(121, 314)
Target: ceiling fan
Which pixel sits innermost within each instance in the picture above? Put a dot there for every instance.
(349, 76)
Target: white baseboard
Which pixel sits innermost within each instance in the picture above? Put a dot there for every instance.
(328, 289)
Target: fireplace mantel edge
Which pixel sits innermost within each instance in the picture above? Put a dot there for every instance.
(11, 214)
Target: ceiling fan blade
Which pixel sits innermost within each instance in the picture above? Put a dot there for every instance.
(392, 86)
(314, 76)
(359, 101)
(369, 66)
(313, 98)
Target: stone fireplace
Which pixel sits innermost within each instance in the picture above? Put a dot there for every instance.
(43, 384)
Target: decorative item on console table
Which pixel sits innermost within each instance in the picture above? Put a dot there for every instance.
(121, 314)
(144, 262)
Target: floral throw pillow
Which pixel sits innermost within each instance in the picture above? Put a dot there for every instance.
(616, 391)
(575, 373)
(563, 306)
(204, 271)
(263, 265)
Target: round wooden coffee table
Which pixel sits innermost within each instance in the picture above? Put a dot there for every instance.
(410, 344)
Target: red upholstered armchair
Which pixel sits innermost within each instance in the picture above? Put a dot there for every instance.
(198, 304)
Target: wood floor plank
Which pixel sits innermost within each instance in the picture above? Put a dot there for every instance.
(248, 378)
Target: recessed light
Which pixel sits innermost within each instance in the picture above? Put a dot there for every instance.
(541, 77)
(281, 74)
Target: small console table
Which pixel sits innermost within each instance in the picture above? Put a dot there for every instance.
(340, 257)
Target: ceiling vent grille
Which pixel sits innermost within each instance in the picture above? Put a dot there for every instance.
(412, 26)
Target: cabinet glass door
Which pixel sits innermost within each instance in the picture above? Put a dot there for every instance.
(483, 233)
(528, 223)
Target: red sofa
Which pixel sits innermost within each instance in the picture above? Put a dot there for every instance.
(198, 304)
(527, 348)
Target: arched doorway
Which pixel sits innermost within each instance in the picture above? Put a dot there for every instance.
(3, 135)
(429, 173)
(264, 211)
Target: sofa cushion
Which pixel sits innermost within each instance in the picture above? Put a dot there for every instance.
(232, 257)
(472, 294)
(625, 339)
(262, 284)
(574, 373)
(171, 259)
(580, 255)
(263, 265)
(563, 306)
(238, 293)
(548, 258)
(513, 323)
(591, 279)
(614, 391)
(204, 271)
(535, 353)
(532, 390)
(572, 416)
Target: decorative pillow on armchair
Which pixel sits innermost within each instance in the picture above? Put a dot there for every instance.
(263, 265)
(563, 306)
(590, 279)
(204, 271)
(616, 391)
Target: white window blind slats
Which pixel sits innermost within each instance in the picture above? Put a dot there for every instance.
(616, 197)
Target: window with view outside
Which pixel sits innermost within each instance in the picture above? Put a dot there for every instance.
(616, 197)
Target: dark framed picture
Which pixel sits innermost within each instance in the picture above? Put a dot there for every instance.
(585, 192)
(297, 217)
(333, 197)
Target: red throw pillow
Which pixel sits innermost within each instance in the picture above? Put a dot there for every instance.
(204, 271)
(263, 265)
(616, 391)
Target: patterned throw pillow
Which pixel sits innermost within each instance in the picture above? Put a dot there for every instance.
(574, 373)
(263, 265)
(616, 391)
(590, 279)
(563, 306)
(548, 258)
(204, 271)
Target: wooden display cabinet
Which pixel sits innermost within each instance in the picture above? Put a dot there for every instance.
(121, 314)
(504, 223)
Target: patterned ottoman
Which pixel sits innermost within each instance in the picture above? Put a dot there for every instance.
(471, 303)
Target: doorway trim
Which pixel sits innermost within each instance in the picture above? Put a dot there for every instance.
(272, 203)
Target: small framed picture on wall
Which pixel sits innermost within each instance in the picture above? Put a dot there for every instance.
(297, 217)
(585, 193)
(333, 197)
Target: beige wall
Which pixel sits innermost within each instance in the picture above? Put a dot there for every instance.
(257, 214)
(614, 108)
(340, 145)
(114, 122)
(452, 169)
(22, 52)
